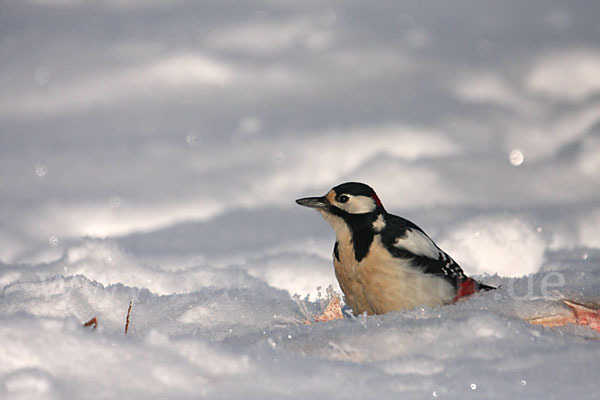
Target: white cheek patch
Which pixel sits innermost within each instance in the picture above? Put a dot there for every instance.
(379, 223)
(358, 205)
(418, 243)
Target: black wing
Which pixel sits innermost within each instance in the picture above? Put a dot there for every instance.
(404, 239)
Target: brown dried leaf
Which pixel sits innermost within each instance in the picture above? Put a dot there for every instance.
(332, 312)
(585, 314)
(553, 321)
(581, 314)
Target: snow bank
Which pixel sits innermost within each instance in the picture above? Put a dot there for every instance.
(502, 245)
(62, 360)
(295, 272)
(230, 342)
(105, 262)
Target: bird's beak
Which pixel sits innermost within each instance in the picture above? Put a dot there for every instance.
(314, 202)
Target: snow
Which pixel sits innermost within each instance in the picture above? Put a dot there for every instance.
(151, 152)
(495, 244)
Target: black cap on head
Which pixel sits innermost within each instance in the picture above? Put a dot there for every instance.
(355, 189)
(358, 189)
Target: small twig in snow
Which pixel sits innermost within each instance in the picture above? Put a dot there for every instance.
(303, 308)
(127, 319)
(92, 322)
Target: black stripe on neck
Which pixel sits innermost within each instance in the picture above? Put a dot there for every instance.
(361, 226)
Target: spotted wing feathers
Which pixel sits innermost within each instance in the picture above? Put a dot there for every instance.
(406, 240)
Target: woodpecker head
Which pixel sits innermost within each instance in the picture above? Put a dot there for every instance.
(354, 212)
(353, 202)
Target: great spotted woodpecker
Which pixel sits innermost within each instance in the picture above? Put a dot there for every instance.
(384, 262)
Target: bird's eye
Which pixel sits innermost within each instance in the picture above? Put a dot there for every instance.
(343, 198)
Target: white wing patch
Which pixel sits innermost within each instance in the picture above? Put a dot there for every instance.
(379, 223)
(418, 243)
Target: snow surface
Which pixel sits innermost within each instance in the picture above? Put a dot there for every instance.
(150, 152)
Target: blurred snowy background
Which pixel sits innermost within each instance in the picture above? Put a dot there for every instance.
(158, 147)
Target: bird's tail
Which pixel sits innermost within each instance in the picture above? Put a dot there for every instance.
(469, 286)
(483, 286)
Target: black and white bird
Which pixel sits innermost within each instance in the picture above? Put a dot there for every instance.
(384, 262)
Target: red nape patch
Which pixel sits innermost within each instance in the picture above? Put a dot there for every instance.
(377, 201)
(466, 288)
